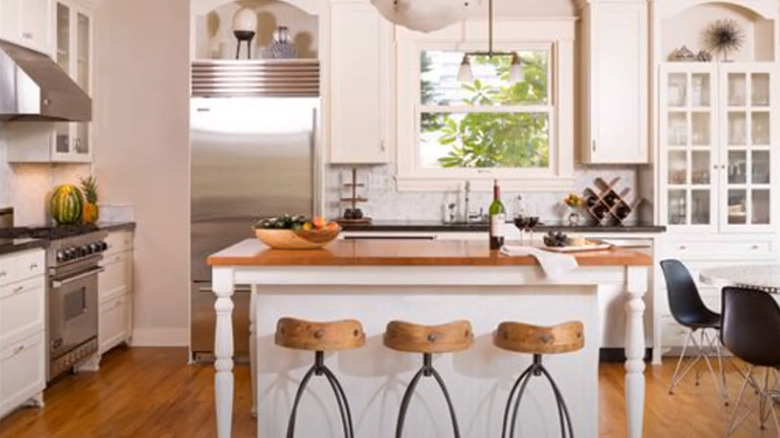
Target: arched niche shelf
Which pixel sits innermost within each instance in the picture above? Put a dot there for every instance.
(212, 35)
(311, 7)
(683, 23)
(766, 9)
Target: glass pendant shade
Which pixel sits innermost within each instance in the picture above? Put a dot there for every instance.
(245, 20)
(516, 69)
(423, 15)
(464, 72)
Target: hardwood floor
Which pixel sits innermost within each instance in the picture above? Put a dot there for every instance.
(152, 392)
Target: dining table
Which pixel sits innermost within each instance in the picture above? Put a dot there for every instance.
(762, 277)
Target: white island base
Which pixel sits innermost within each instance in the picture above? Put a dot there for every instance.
(375, 377)
(431, 282)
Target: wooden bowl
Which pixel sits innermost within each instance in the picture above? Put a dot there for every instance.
(297, 239)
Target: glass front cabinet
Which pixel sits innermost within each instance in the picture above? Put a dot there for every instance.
(718, 150)
(73, 43)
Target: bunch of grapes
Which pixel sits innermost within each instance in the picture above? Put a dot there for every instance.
(555, 239)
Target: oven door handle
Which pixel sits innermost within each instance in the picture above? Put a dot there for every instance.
(57, 283)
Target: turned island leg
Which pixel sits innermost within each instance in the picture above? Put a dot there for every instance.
(636, 287)
(222, 279)
(253, 349)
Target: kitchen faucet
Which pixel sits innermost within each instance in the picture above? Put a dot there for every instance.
(466, 209)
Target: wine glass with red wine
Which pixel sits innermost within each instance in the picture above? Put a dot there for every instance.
(532, 222)
(521, 222)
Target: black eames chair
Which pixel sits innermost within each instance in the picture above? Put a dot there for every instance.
(689, 310)
(751, 331)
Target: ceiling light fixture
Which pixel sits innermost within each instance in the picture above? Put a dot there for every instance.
(424, 15)
(515, 68)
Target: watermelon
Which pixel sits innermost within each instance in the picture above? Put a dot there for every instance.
(66, 204)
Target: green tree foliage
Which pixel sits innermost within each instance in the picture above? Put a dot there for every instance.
(489, 139)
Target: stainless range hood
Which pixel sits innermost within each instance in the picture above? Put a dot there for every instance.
(34, 87)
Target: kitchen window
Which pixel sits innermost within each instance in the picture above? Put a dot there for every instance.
(490, 127)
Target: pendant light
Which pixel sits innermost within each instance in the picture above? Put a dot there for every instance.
(515, 69)
(424, 15)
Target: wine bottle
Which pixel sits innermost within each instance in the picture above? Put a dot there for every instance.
(497, 218)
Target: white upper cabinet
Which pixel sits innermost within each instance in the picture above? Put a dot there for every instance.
(360, 83)
(60, 142)
(615, 89)
(27, 23)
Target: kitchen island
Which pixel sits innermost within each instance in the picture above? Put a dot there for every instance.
(427, 282)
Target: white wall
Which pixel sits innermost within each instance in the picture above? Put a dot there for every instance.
(141, 122)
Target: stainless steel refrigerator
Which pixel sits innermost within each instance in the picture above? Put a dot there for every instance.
(250, 157)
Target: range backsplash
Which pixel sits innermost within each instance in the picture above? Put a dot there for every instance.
(27, 187)
(386, 203)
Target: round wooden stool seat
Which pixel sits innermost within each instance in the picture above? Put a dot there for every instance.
(319, 336)
(416, 338)
(533, 339)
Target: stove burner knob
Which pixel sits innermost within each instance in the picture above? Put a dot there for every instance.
(95, 247)
(86, 249)
(69, 254)
(104, 246)
(61, 256)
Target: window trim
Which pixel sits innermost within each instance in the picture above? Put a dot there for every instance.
(554, 35)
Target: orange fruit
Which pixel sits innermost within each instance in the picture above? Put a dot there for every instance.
(332, 226)
(318, 222)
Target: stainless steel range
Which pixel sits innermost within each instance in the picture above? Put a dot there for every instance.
(72, 260)
(73, 299)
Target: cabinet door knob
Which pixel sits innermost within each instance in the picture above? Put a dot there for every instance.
(33, 266)
(17, 290)
(382, 146)
(18, 350)
(754, 247)
(594, 146)
(27, 35)
(682, 247)
(3, 274)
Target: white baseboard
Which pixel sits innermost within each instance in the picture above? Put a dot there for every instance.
(161, 337)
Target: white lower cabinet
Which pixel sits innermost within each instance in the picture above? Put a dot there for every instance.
(22, 373)
(22, 329)
(115, 299)
(114, 322)
(707, 251)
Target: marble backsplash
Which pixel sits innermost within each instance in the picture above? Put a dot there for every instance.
(386, 203)
(27, 187)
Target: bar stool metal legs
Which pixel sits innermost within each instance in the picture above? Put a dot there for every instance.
(525, 338)
(415, 338)
(535, 369)
(320, 369)
(320, 337)
(427, 370)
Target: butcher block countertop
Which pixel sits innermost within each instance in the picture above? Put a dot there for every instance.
(252, 252)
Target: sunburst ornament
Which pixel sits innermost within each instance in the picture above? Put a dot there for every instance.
(724, 37)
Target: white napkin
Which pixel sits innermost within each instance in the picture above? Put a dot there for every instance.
(553, 264)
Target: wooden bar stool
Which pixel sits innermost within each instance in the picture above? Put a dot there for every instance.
(415, 338)
(321, 337)
(536, 340)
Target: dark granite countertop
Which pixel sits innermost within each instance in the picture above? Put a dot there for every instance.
(16, 245)
(115, 226)
(423, 226)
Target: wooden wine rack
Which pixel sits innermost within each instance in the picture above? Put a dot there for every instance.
(608, 206)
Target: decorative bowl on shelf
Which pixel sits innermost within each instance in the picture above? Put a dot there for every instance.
(297, 239)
